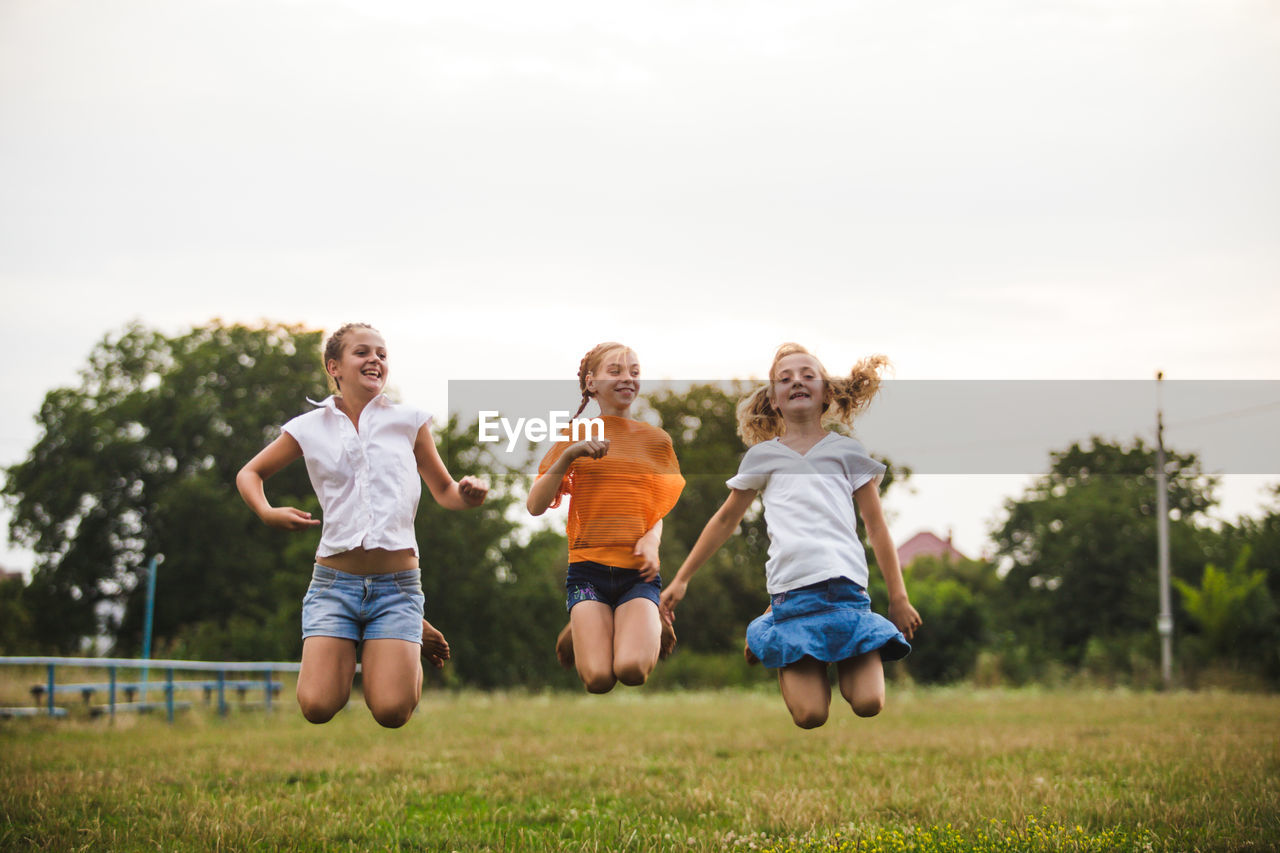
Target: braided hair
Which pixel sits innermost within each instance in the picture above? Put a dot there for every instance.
(843, 399)
(590, 364)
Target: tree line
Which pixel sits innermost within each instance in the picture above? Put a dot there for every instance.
(139, 460)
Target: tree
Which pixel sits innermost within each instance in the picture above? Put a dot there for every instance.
(15, 617)
(139, 460)
(1080, 545)
(956, 598)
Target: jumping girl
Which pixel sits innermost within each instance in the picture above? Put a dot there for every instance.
(364, 455)
(809, 479)
(620, 488)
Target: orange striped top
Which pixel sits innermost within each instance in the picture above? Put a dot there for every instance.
(616, 499)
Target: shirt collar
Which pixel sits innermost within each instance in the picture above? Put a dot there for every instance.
(331, 402)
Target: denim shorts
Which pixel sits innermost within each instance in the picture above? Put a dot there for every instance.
(609, 585)
(363, 607)
(830, 621)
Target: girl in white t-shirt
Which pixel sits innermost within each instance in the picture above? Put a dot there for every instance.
(364, 456)
(809, 479)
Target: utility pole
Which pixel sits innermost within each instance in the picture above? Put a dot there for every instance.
(1164, 623)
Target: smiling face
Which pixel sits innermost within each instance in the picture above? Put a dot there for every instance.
(798, 386)
(361, 368)
(615, 382)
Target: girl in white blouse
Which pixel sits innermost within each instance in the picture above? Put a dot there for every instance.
(816, 574)
(364, 455)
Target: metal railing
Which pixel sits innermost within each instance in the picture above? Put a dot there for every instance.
(217, 683)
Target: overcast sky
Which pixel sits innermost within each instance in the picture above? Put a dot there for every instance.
(980, 189)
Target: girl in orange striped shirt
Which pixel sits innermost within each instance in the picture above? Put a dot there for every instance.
(619, 488)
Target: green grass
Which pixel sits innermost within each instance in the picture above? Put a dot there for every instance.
(939, 770)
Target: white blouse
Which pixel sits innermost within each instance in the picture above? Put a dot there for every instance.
(808, 508)
(367, 481)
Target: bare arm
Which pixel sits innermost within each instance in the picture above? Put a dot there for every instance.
(547, 485)
(466, 493)
(901, 613)
(716, 532)
(250, 480)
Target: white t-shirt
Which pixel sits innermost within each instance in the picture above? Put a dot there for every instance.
(808, 508)
(367, 481)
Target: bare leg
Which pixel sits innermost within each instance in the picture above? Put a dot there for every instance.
(564, 644)
(637, 633)
(324, 682)
(806, 691)
(862, 683)
(435, 648)
(592, 623)
(392, 678)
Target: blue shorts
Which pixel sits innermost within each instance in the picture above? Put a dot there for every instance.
(609, 585)
(830, 620)
(363, 607)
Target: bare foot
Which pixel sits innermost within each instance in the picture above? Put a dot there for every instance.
(435, 648)
(667, 644)
(564, 647)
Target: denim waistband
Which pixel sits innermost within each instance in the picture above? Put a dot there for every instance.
(325, 574)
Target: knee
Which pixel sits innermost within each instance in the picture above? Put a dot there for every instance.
(867, 706)
(392, 716)
(315, 711)
(809, 718)
(599, 683)
(632, 674)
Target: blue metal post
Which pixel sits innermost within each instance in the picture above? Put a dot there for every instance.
(268, 689)
(51, 668)
(146, 625)
(222, 693)
(111, 691)
(168, 692)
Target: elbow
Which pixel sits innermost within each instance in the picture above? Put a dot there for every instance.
(535, 508)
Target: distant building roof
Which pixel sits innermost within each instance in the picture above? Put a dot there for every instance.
(925, 544)
(6, 575)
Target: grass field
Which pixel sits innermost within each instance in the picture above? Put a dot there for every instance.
(946, 769)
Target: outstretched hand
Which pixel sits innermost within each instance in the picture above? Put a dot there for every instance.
(672, 595)
(289, 518)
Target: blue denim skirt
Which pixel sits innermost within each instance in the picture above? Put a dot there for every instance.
(830, 620)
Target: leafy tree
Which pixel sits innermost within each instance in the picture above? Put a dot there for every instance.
(15, 617)
(957, 597)
(1080, 545)
(1233, 611)
(139, 459)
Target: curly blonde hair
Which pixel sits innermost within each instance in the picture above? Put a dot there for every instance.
(843, 398)
(334, 346)
(591, 364)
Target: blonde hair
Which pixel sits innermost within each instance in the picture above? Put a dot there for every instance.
(334, 346)
(590, 364)
(843, 398)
